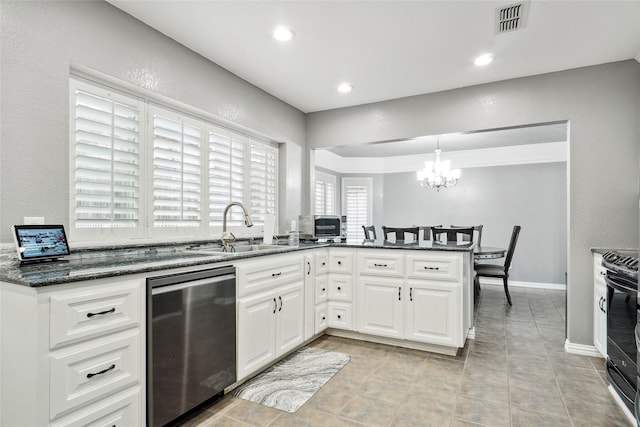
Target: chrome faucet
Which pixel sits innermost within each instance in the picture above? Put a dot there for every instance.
(227, 237)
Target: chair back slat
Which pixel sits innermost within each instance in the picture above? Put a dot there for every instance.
(453, 233)
(399, 232)
(478, 232)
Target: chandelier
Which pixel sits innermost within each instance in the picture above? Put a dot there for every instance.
(438, 174)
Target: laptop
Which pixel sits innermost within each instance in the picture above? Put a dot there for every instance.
(40, 242)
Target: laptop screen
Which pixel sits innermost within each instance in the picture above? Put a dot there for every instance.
(40, 242)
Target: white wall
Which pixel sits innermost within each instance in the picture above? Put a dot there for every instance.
(601, 105)
(42, 40)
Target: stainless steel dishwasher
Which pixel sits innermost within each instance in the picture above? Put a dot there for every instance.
(191, 341)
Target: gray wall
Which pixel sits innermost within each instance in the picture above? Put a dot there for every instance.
(532, 196)
(601, 105)
(42, 39)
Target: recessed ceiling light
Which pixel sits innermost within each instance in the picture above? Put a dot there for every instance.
(484, 59)
(345, 87)
(283, 34)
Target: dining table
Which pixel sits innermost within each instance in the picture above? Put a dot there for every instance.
(488, 252)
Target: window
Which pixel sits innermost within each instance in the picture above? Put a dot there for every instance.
(143, 170)
(105, 161)
(357, 205)
(325, 194)
(177, 169)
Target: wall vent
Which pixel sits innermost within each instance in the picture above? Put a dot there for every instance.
(512, 17)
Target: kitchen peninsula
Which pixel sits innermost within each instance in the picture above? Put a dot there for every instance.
(415, 295)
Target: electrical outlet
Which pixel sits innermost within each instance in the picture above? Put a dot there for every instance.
(33, 220)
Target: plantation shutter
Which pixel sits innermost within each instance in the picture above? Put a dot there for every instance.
(325, 194)
(357, 205)
(264, 181)
(177, 142)
(106, 155)
(226, 177)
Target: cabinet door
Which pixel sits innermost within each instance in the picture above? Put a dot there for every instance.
(309, 297)
(341, 261)
(321, 289)
(321, 258)
(340, 287)
(256, 332)
(434, 313)
(289, 318)
(381, 307)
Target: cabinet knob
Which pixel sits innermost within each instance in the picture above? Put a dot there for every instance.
(324, 263)
(324, 317)
(324, 289)
(339, 316)
(339, 288)
(339, 262)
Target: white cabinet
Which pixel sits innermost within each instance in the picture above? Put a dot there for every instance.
(411, 296)
(434, 313)
(340, 288)
(599, 305)
(270, 322)
(309, 296)
(78, 358)
(380, 307)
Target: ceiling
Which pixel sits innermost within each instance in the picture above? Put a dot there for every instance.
(390, 49)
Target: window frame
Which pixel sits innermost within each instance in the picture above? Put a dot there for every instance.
(354, 230)
(325, 179)
(205, 123)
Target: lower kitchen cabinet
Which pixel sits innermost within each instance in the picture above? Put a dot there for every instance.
(269, 325)
(599, 305)
(380, 307)
(434, 313)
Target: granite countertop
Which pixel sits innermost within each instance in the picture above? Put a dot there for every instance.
(95, 263)
(601, 251)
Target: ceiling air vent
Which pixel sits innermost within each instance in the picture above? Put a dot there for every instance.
(512, 17)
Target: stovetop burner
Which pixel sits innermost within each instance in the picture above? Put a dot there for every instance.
(622, 262)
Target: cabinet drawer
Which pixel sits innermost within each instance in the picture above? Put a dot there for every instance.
(340, 287)
(381, 263)
(340, 315)
(93, 369)
(321, 289)
(321, 318)
(340, 261)
(119, 410)
(434, 267)
(81, 314)
(321, 262)
(269, 272)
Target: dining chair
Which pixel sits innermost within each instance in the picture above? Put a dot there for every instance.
(477, 239)
(426, 231)
(370, 232)
(452, 234)
(399, 233)
(497, 270)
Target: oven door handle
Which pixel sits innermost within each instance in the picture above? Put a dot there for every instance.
(637, 334)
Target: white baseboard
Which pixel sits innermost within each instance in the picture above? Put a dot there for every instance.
(518, 284)
(581, 349)
(630, 417)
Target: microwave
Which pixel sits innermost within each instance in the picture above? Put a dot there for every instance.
(322, 227)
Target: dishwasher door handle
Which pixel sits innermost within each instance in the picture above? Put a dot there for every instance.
(171, 288)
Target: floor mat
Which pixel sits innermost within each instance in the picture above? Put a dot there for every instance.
(288, 384)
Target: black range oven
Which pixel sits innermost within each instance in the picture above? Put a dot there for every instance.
(622, 319)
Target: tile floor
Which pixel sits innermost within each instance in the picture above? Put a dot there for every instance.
(515, 373)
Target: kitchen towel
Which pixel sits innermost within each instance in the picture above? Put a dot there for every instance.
(288, 384)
